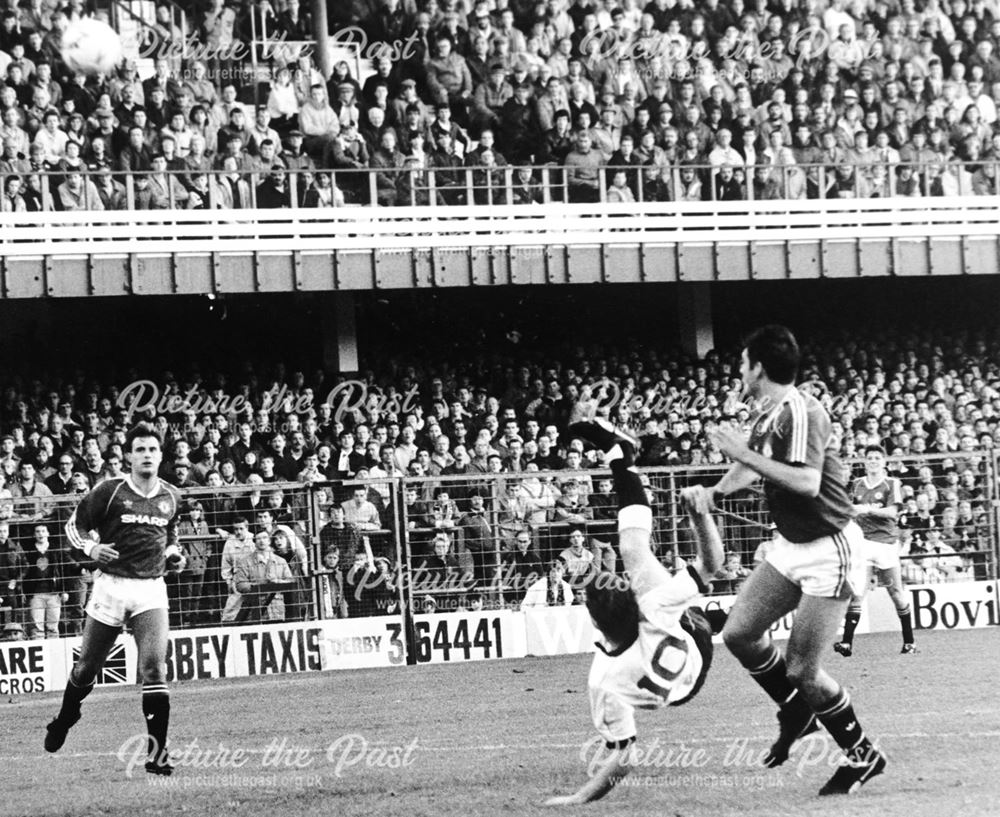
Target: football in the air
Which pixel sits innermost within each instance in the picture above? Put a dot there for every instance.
(90, 47)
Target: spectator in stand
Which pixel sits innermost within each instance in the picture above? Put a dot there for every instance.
(283, 101)
(583, 165)
(526, 190)
(166, 187)
(288, 547)
(272, 192)
(361, 513)
(521, 567)
(13, 201)
(193, 530)
(297, 160)
(15, 138)
(261, 131)
(332, 599)
(340, 535)
(439, 573)
(238, 547)
(236, 128)
(551, 590)
(370, 587)
(318, 122)
(345, 102)
(490, 97)
(579, 561)
(43, 586)
(13, 565)
(203, 194)
(234, 191)
(52, 138)
(137, 155)
(349, 154)
(519, 125)
(254, 579)
(78, 193)
(449, 179)
(448, 78)
(322, 192)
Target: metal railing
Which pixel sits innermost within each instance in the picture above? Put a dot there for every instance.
(450, 538)
(140, 18)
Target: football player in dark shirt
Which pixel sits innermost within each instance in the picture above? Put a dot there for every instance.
(816, 564)
(877, 498)
(135, 519)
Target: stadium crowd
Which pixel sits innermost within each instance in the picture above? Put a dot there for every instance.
(491, 101)
(475, 439)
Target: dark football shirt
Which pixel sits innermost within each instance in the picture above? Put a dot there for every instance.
(797, 432)
(140, 527)
(885, 493)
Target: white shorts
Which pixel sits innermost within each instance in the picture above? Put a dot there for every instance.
(829, 567)
(115, 599)
(882, 555)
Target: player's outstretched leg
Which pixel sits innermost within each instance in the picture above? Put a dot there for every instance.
(846, 645)
(635, 520)
(98, 639)
(606, 437)
(150, 629)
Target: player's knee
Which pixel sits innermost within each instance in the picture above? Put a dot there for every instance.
(801, 672)
(154, 671)
(84, 673)
(735, 637)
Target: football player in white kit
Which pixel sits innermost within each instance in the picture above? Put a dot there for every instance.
(655, 648)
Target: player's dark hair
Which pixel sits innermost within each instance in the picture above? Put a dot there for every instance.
(142, 431)
(776, 349)
(696, 625)
(874, 447)
(613, 608)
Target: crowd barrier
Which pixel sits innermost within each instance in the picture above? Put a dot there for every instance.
(277, 649)
(434, 183)
(436, 545)
(79, 233)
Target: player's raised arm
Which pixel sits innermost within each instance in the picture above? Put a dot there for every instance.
(710, 554)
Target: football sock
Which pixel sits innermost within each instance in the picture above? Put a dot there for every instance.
(906, 622)
(837, 715)
(156, 708)
(772, 675)
(628, 486)
(74, 694)
(851, 623)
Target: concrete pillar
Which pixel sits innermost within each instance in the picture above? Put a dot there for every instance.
(340, 332)
(694, 318)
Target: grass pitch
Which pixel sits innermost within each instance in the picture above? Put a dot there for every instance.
(499, 737)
